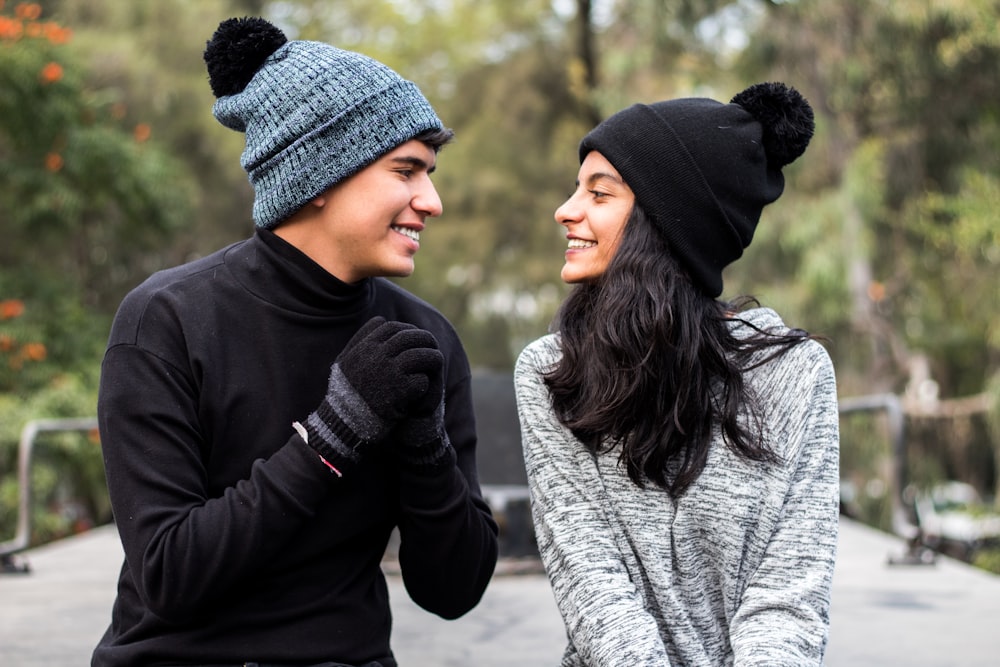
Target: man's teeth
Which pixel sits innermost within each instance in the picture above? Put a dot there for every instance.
(406, 231)
(580, 244)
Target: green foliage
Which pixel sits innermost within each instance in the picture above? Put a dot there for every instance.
(80, 185)
(867, 484)
(907, 97)
(988, 559)
(956, 251)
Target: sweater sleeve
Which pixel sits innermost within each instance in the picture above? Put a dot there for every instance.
(605, 618)
(184, 545)
(783, 616)
(448, 538)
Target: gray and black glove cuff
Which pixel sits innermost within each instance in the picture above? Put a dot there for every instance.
(422, 442)
(343, 423)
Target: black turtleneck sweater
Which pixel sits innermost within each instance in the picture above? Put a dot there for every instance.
(240, 545)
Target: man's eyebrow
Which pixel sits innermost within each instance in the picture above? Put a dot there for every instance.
(413, 161)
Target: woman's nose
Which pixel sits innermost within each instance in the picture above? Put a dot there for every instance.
(567, 212)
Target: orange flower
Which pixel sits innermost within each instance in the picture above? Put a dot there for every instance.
(35, 351)
(52, 73)
(876, 291)
(142, 132)
(11, 308)
(55, 33)
(53, 162)
(10, 29)
(28, 10)
(6, 343)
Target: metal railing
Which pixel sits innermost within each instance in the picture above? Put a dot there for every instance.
(30, 432)
(904, 523)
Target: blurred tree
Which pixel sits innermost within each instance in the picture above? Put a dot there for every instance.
(21, 348)
(80, 185)
(908, 95)
(148, 58)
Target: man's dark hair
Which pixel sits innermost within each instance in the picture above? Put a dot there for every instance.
(436, 138)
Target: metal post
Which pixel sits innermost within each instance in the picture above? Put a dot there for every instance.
(22, 536)
(903, 524)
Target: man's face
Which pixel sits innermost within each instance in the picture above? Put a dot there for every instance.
(372, 220)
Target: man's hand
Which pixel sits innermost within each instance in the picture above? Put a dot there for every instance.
(385, 373)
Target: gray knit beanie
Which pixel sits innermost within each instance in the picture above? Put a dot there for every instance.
(313, 114)
(703, 170)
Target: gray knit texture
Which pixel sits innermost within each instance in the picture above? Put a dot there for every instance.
(313, 115)
(737, 571)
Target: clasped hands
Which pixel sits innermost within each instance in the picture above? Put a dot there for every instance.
(388, 379)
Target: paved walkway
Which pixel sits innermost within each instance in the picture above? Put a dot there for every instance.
(942, 615)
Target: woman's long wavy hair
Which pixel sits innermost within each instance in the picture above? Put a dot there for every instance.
(649, 363)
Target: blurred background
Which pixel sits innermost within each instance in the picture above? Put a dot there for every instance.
(886, 240)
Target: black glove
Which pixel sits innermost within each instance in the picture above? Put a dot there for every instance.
(420, 437)
(383, 372)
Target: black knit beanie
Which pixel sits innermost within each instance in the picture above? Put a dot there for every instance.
(703, 170)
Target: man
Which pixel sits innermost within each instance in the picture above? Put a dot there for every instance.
(271, 412)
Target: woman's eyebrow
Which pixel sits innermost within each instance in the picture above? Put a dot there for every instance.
(602, 175)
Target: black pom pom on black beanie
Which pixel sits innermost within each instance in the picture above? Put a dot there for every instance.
(703, 171)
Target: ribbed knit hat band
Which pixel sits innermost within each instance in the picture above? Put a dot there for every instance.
(703, 171)
(313, 114)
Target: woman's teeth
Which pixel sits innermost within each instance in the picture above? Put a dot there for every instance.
(579, 244)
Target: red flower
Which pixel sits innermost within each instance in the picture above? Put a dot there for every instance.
(28, 10)
(35, 351)
(51, 73)
(53, 162)
(11, 308)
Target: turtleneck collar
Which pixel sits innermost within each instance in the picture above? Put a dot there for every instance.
(281, 274)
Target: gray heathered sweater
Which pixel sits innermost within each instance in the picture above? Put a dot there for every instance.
(736, 572)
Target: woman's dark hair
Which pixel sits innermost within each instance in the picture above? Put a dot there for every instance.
(649, 362)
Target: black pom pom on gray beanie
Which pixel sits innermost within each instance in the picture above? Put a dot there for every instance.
(313, 114)
(703, 170)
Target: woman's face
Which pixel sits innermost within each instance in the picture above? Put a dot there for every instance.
(594, 217)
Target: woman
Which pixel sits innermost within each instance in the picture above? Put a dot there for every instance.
(682, 452)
